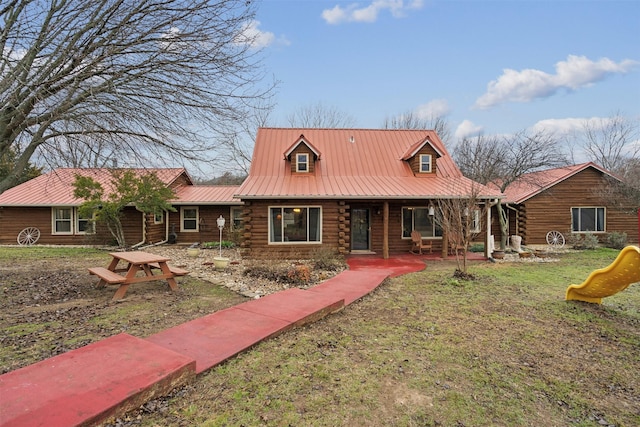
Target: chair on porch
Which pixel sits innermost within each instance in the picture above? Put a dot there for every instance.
(417, 244)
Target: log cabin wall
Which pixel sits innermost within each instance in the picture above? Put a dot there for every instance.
(207, 230)
(14, 219)
(336, 228)
(551, 209)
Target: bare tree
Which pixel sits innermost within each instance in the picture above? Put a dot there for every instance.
(611, 142)
(460, 220)
(501, 160)
(320, 116)
(413, 120)
(149, 80)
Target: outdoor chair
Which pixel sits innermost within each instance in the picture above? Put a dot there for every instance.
(454, 246)
(417, 244)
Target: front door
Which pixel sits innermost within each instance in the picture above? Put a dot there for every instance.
(360, 229)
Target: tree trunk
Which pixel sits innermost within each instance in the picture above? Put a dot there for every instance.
(504, 226)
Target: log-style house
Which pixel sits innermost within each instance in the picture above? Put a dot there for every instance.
(349, 190)
(47, 204)
(570, 200)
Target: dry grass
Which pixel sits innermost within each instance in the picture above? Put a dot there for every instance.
(424, 349)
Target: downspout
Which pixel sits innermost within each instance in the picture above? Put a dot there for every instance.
(144, 231)
(516, 211)
(166, 232)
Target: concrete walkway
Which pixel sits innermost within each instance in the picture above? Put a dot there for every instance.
(118, 374)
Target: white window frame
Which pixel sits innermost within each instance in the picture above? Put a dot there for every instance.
(91, 225)
(283, 226)
(55, 220)
(579, 226)
(425, 159)
(158, 217)
(406, 232)
(183, 229)
(300, 161)
(475, 221)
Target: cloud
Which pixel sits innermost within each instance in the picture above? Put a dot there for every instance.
(529, 84)
(369, 14)
(435, 108)
(467, 129)
(257, 38)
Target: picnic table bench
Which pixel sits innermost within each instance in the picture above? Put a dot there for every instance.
(136, 262)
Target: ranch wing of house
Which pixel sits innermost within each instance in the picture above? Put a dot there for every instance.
(348, 190)
(47, 203)
(569, 200)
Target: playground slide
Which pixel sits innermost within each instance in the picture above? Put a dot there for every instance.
(604, 282)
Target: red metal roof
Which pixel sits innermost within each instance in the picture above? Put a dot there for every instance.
(207, 195)
(355, 163)
(56, 188)
(533, 183)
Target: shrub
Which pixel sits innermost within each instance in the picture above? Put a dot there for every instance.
(477, 247)
(326, 259)
(586, 241)
(616, 240)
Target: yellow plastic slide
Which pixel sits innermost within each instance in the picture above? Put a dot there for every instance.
(604, 282)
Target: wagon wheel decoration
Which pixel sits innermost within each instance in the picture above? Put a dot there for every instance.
(555, 239)
(28, 236)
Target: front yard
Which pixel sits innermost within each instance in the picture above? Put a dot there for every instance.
(424, 349)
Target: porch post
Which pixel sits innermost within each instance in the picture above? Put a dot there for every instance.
(385, 230)
(487, 236)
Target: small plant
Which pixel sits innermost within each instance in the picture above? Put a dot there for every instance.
(616, 240)
(226, 244)
(300, 275)
(326, 259)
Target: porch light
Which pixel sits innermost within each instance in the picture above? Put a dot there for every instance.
(432, 210)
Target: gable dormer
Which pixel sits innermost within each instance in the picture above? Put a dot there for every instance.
(422, 157)
(302, 156)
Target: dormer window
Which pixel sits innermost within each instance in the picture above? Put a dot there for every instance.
(302, 162)
(425, 163)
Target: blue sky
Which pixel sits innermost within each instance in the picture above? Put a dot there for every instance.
(487, 66)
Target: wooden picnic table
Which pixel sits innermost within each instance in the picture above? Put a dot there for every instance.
(136, 262)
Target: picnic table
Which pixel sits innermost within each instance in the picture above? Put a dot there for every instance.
(136, 262)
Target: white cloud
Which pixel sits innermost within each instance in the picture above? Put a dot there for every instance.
(529, 84)
(435, 108)
(467, 129)
(353, 13)
(257, 38)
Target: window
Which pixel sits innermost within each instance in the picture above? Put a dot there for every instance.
(158, 217)
(85, 225)
(236, 218)
(62, 220)
(302, 162)
(418, 218)
(294, 225)
(475, 221)
(189, 219)
(425, 163)
(587, 220)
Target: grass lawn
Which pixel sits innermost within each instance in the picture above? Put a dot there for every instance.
(429, 350)
(424, 349)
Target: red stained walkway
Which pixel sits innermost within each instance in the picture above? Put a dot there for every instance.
(107, 378)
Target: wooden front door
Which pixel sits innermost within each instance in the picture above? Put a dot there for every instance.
(360, 229)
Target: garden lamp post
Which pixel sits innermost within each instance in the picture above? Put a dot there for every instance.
(220, 222)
